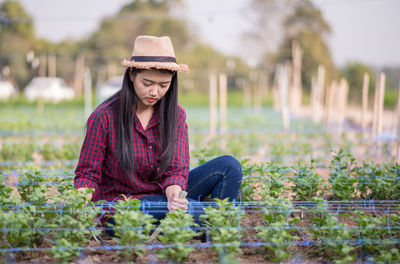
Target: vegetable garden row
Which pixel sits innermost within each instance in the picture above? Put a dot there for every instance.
(340, 213)
(334, 208)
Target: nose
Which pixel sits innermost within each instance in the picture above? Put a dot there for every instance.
(153, 91)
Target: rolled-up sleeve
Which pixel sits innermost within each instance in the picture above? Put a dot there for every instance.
(177, 172)
(88, 172)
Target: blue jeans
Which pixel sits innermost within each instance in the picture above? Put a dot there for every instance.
(218, 178)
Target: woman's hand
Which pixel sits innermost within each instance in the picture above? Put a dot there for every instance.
(174, 202)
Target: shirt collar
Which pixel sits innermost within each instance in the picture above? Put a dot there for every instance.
(154, 120)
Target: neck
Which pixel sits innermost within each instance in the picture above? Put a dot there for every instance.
(141, 108)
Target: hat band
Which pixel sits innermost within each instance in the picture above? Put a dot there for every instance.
(153, 59)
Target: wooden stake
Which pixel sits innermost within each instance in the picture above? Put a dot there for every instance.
(364, 111)
(257, 96)
(78, 80)
(223, 98)
(398, 124)
(42, 65)
(296, 93)
(283, 92)
(52, 65)
(381, 103)
(375, 111)
(213, 105)
(247, 95)
(275, 90)
(88, 92)
(342, 100)
(318, 97)
(330, 102)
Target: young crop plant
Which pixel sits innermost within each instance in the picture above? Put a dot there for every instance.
(333, 237)
(247, 188)
(5, 192)
(279, 228)
(372, 229)
(307, 183)
(74, 223)
(223, 225)
(275, 184)
(132, 227)
(177, 229)
(22, 227)
(379, 182)
(341, 176)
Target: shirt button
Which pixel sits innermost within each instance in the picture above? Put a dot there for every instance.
(150, 147)
(151, 166)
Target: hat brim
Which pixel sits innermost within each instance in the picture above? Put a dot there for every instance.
(172, 66)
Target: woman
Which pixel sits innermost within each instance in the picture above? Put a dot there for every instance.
(136, 142)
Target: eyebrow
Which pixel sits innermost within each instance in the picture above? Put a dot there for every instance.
(148, 80)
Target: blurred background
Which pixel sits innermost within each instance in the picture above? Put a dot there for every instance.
(289, 69)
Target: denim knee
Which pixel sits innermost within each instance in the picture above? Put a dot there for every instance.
(232, 165)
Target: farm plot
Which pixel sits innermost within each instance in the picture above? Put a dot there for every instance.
(300, 202)
(285, 213)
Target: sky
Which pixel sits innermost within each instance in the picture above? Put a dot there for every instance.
(366, 31)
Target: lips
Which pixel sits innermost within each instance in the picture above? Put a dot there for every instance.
(151, 100)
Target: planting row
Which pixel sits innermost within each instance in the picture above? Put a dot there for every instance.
(67, 227)
(342, 180)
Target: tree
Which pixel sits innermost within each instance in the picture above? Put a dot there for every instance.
(354, 73)
(306, 25)
(297, 20)
(116, 35)
(16, 28)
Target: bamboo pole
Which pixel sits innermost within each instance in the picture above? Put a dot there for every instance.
(330, 102)
(88, 92)
(283, 92)
(247, 95)
(78, 79)
(296, 93)
(381, 103)
(42, 65)
(364, 111)
(257, 96)
(52, 65)
(398, 125)
(213, 105)
(223, 98)
(319, 94)
(343, 96)
(375, 110)
(275, 90)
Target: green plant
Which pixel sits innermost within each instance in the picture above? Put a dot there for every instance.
(378, 237)
(276, 180)
(132, 227)
(176, 229)
(32, 188)
(247, 188)
(223, 222)
(378, 182)
(307, 183)
(5, 192)
(73, 223)
(332, 235)
(278, 230)
(341, 176)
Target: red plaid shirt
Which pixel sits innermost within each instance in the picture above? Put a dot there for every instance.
(98, 165)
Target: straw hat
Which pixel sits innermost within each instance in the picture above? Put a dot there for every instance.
(154, 52)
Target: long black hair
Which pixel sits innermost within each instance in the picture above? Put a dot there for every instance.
(168, 110)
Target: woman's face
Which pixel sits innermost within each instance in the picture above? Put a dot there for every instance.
(150, 86)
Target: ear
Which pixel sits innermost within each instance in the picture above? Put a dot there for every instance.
(131, 75)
